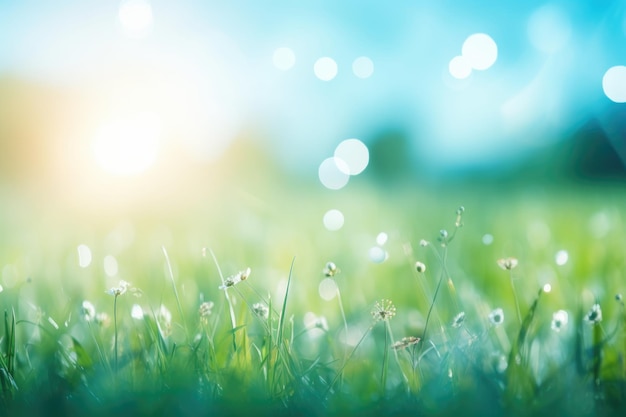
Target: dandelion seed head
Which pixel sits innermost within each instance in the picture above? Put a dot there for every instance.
(496, 317)
(507, 263)
(458, 319)
(423, 243)
(619, 298)
(383, 310)
(547, 288)
(121, 288)
(595, 315)
(559, 320)
(420, 267)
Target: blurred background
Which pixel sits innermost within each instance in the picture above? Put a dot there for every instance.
(323, 129)
(135, 104)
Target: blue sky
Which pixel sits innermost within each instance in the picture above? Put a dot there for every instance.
(215, 58)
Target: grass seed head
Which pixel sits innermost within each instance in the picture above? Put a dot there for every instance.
(595, 314)
(405, 342)
(507, 263)
(261, 310)
(496, 317)
(383, 310)
(330, 270)
(458, 319)
(559, 320)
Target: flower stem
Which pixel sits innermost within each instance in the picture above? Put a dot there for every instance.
(115, 329)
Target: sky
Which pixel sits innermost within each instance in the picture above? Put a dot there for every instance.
(210, 70)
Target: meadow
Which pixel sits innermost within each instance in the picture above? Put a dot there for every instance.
(439, 299)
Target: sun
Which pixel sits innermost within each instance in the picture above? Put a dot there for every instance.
(127, 146)
(135, 16)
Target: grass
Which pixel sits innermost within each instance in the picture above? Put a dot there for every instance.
(440, 327)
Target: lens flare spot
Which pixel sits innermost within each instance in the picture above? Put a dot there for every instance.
(327, 289)
(325, 68)
(363, 67)
(284, 58)
(460, 67)
(354, 154)
(561, 257)
(333, 220)
(136, 17)
(480, 50)
(334, 173)
(84, 256)
(614, 84)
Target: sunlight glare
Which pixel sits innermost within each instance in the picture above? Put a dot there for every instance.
(480, 50)
(127, 146)
(136, 17)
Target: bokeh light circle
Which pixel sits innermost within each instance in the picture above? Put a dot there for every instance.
(84, 256)
(377, 254)
(284, 58)
(354, 153)
(333, 220)
(459, 67)
(327, 289)
(325, 68)
(334, 173)
(363, 67)
(614, 84)
(480, 50)
(561, 257)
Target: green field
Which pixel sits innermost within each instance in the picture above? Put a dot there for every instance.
(276, 343)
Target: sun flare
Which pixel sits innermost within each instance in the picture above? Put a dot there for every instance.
(127, 146)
